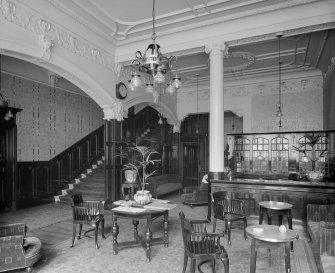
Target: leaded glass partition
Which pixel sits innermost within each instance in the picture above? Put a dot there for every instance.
(260, 155)
(279, 155)
(242, 155)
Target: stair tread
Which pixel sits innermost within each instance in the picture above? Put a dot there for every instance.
(92, 187)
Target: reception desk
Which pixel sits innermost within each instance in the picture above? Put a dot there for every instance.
(297, 193)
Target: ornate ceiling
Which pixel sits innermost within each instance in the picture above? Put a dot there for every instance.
(249, 26)
(123, 22)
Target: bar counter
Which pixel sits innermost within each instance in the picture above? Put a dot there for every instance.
(253, 191)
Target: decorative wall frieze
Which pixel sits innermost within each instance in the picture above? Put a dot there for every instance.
(114, 112)
(50, 36)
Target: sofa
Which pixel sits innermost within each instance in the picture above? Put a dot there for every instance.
(163, 184)
(16, 250)
(321, 228)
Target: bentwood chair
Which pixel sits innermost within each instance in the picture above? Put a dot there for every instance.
(89, 213)
(218, 198)
(200, 245)
(229, 210)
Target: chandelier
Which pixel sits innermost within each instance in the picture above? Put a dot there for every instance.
(154, 64)
(279, 113)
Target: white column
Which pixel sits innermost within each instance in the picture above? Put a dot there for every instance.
(216, 105)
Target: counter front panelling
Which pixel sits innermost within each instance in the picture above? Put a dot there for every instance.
(297, 193)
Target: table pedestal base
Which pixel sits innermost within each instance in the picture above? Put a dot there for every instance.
(145, 241)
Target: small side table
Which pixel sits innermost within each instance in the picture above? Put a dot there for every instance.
(265, 236)
(274, 207)
(279, 208)
(128, 190)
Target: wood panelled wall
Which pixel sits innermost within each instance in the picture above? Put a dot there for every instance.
(44, 179)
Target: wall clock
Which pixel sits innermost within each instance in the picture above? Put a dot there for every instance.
(121, 91)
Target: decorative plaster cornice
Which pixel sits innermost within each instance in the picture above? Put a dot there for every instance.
(50, 35)
(78, 19)
(197, 16)
(285, 33)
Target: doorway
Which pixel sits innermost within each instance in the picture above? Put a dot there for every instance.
(2, 170)
(195, 161)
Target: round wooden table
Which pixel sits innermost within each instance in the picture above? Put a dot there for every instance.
(269, 236)
(279, 208)
(274, 207)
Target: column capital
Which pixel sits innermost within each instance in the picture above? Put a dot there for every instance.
(114, 112)
(176, 127)
(215, 46)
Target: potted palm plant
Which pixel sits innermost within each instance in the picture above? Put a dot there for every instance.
(312, 140)
(143, 157)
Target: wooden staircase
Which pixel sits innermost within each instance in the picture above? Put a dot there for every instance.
(90, 184)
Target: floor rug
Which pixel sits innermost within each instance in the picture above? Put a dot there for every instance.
(83, 257)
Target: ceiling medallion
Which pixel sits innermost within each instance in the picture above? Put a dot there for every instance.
(248, 57)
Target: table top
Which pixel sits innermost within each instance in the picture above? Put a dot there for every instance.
(271, 233)
(275, 205)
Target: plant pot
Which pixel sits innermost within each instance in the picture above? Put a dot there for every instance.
(314, 176)
(142, 197)
(130, 176)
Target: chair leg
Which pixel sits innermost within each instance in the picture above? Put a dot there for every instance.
(73, 234)
(213, 266)
(245, 226)
(193, 261)
(96, 235)
(226, 265)
(103, 228)
(185, 262)
(229, 231)
(80, 229)
(214, 225)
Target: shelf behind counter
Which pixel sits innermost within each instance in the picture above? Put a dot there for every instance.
(297, 193)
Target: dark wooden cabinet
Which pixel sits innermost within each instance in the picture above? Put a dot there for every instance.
(8, 157)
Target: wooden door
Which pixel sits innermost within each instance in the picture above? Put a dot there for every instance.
(2, 170)
(190, 164)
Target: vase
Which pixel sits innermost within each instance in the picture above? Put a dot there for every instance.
(130, 176)
(142, 197)
(314, 176)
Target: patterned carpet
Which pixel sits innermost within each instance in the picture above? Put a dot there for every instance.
(83, 257)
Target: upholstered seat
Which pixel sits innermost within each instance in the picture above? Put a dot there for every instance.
(16, 250)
